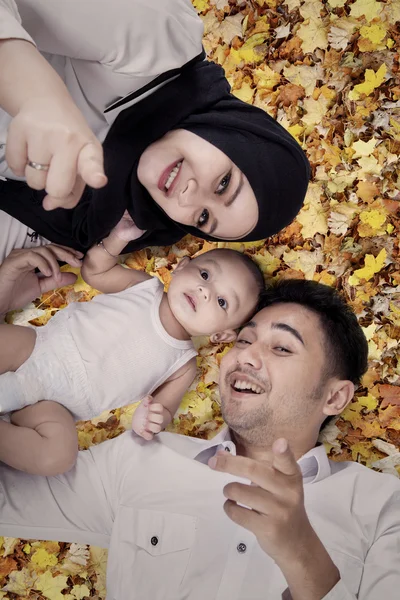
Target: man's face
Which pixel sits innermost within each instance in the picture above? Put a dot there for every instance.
(272, 381)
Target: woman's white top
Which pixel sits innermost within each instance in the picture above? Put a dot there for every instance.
(104, 50)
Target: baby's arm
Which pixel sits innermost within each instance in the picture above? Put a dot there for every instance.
(157, 411)
(100, 267)
(41, 439)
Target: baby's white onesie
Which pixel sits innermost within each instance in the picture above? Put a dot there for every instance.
(99, 355)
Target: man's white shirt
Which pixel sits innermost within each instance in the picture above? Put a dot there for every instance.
(159, 509)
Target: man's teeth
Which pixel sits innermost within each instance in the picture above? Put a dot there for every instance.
(172, 175)
(246, 385)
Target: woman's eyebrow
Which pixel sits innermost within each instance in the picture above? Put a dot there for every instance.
(236, 192)
(228, 203)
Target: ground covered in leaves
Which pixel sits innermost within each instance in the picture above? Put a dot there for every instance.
(328, 71)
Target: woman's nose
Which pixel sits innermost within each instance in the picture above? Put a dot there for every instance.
(187, 196)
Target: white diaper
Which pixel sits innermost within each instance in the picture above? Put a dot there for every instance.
(54, 371)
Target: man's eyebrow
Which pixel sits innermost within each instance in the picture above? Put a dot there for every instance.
(229, 202)
(248, 324)
(289, 329)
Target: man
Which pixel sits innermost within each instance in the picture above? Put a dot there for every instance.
(177, 528)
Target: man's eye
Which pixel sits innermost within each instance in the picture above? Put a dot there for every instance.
(282, 349)
(223, 304)
(224, 183)
(242, 341)
(203, 219)
(204, 274)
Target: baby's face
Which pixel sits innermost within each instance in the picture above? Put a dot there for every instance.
(212, 293)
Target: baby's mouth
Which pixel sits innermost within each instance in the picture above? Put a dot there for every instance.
(191, 301)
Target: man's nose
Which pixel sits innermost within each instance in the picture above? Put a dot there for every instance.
(250, 356)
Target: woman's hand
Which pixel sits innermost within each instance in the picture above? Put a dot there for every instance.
(126, 229)
(48, 130)
(20, 284)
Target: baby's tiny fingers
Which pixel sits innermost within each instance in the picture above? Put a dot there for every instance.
(153, 428)
(155, 418)
(156, 408)
(146, 435)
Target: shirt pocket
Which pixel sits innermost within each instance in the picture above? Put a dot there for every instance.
(154, 553)
(350, 568)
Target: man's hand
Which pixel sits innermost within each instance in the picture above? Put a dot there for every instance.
(148, 418)
(20, 284)
(278, 518)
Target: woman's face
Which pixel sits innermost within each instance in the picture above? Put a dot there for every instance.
(198, 185)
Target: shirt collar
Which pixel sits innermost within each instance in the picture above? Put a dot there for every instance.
(314, 464)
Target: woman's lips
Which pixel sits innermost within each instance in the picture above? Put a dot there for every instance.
(191, 301)
(165, 175)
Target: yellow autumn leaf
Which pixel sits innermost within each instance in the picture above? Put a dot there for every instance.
(372, 223)
(313, 216)
(251, 52)
(315, 110)
(375, 33)
(20, 583)
(44, 559)
(372, 266)
(303, 260)
(313, 34)
(50, 586)
(362, 148)
(369, 402)
(372, 81)
(201, 5)
(80, 591)
(265, 77)
(267, 262)
(245, 93)
(367, 8)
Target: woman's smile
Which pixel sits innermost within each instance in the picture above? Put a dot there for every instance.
(169, 176)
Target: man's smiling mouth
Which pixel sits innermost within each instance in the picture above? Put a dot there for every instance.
(245, 386)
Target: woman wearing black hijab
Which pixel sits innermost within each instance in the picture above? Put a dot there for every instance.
(189, 157)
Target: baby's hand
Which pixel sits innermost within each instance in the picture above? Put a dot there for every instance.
(126, 229)
(148, 418)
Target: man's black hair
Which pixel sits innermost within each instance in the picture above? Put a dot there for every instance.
(347, 348)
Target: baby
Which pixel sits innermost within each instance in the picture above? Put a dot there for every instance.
(130, 343)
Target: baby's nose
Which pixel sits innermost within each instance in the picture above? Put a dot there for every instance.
(204, 292)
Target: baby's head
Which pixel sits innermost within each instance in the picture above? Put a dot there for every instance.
(215, 293)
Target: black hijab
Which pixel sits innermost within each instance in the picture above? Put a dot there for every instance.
(199, 100)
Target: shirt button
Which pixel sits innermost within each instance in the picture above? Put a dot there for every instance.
(227, 449)
(241, 548)
(154, 540)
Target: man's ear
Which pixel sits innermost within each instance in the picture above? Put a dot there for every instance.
(340, 395)
(182, 264)
(227, 336)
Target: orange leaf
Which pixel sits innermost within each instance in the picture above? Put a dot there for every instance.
(390, 394)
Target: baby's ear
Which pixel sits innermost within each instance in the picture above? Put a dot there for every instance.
(227, 336)
(182, 264)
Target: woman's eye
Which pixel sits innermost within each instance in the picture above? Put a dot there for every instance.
(203, 219)
(204, 275)
(223, 304)
(224, 183)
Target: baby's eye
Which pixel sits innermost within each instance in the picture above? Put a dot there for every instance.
(224, 183)
(223, 303)
(204, 274)
(203, 219)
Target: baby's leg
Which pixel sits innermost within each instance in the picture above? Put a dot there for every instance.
(41, 439)
(16, 346)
